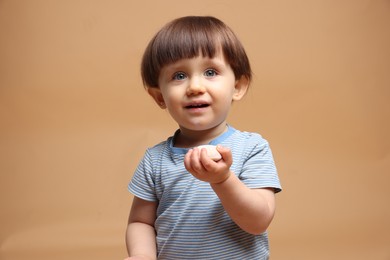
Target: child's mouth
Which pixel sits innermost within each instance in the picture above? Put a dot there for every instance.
(197, 106)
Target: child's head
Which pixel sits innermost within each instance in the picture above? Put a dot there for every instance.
(189, 37)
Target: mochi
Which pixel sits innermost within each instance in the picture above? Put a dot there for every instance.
(211, 152)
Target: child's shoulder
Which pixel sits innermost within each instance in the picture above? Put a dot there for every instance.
(248, 142)
(161, 146)
(249, 136)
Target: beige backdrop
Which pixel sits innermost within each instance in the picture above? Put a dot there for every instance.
(75, 121)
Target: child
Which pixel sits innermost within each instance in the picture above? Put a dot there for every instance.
(186, 205)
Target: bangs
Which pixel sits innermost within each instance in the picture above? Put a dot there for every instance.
(185, 41)
(187, 38)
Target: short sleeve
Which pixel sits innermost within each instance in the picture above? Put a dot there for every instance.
(142, 185)
(259, 170)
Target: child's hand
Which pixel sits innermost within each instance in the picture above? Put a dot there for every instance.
(205, 169)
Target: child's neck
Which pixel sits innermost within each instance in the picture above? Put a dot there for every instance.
(187, 138)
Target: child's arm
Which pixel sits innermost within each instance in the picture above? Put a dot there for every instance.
(250, 209)
(140, 233)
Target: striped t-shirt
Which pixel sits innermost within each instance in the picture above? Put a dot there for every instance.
(191, 222)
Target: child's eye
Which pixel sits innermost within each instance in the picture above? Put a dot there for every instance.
(210, 73)
(179, 76)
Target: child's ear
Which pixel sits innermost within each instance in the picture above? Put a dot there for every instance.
(156, 94)
(241, 88)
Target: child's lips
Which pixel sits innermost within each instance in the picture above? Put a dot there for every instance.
(197, 104)
(197, 107)
(193, 106)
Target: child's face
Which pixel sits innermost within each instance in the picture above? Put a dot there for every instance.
(198, 92)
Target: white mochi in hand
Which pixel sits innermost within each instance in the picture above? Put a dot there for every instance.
(211, 152)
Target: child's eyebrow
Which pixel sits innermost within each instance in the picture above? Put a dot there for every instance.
(174, 66)
(215, 62)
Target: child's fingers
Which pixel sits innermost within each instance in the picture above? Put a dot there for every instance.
(226, 154)
(187, 160)
(196, 165)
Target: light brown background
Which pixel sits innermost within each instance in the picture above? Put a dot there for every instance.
(75, 121)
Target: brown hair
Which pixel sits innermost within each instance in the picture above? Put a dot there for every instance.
(187, 37)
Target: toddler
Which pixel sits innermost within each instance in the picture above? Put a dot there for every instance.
(188, 205)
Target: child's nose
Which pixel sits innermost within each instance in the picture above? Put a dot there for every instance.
(195, 87)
